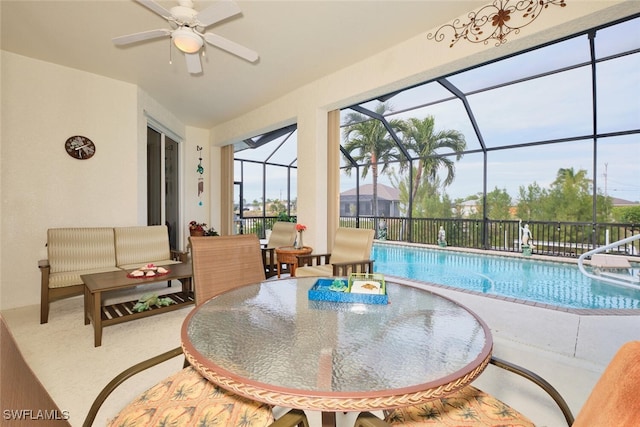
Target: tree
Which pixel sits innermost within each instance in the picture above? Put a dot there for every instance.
(530, 201)
(498, 204)
(459, 208)
(470, 207)
(420, 136)
(369, 143)
(569, 196)
(276, 206)
(628, 214)
(427, 201)
(569, 178)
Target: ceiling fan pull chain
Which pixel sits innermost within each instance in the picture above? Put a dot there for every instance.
(170, 58)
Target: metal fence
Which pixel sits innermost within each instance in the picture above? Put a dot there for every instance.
(563, 239)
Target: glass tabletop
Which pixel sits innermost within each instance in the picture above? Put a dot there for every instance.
(271, 337)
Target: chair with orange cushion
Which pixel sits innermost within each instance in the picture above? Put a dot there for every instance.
(188, 399)
(614, 401)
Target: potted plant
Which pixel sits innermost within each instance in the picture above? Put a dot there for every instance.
(283, 216)
(210, 232)
(200, 229)
(197, 228)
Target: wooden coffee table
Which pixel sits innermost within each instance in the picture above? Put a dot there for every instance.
(104, 315)
(289, 255)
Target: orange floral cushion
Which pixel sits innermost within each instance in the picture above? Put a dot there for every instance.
(468, 407)
(188, 399)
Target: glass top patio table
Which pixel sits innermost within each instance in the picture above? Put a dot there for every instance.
(270, 343)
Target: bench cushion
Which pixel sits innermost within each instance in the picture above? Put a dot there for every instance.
(71, 278)
(140, 245)
(325, 270)
(352, 244)
(188, 399)
(80, 249)
(283, 234)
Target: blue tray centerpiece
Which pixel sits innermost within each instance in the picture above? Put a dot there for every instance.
(359, 288)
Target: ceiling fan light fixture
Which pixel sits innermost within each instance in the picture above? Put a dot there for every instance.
(186, 40)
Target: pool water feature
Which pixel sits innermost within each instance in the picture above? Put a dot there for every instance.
(553, 283)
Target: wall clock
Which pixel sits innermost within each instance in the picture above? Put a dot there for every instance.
(80, 147)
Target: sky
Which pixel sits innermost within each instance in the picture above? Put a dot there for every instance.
(552, 107)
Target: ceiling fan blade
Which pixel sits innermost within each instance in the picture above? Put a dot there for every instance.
(155, 7)
(194, 66)
(138, 37)
(231, 47)
(220, 10)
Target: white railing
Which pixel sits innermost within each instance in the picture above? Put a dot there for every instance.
(620, 280)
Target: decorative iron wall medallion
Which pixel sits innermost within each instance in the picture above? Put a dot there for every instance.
(494, 21)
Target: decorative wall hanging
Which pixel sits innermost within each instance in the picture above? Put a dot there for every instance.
(200, 170)
(493, 21)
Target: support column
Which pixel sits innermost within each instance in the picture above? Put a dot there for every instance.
(226, 190)
(313, 180)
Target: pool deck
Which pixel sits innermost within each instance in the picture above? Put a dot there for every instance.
(566, 347)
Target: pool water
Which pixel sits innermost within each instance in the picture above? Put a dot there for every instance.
(553, 283)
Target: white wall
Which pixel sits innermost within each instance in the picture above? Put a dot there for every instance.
(200, 208)
(42, 105)
(42, 187)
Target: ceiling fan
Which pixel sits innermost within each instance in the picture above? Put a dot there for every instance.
(187, 30)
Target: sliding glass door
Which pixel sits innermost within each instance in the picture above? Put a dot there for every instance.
(163, 183)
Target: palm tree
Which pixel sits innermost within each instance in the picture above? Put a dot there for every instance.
(571, 199)
(427, 198)
(568, 178)
(420, 136)
(370, 145)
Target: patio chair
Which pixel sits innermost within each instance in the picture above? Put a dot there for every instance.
(351, 254)
(186, 398)
(614, 401)
(282, 234)
(222, 263)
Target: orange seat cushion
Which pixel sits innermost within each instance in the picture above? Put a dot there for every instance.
(468, 407)
(188, 399)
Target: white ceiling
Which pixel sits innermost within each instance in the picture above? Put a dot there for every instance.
(298, 41)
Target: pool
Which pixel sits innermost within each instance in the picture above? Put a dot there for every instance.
(552, 283)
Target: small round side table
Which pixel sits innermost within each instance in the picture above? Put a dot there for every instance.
(289, 255)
